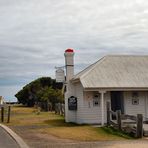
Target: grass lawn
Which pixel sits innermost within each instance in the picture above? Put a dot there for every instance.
(50, 124)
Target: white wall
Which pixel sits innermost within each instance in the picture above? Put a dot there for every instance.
(87, 113)
(70, 116)
(90, 113)
(141, 108)
(78, 92)
(74, 115)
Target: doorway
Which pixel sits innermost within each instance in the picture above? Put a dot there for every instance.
(117, 101)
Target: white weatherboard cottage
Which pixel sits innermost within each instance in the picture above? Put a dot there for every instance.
(120, 79)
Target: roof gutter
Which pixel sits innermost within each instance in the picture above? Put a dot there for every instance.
(117, 89)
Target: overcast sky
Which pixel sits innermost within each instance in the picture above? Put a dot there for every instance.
(35, 33)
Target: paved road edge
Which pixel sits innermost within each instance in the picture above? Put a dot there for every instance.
(17, 138)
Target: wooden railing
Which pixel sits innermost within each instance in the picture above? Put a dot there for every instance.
(119, 120)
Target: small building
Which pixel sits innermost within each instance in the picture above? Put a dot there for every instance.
(1, 100)
(121, 80)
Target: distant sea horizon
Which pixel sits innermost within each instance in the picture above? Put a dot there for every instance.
(10, 99)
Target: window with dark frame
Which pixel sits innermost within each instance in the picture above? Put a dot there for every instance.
(96, 99)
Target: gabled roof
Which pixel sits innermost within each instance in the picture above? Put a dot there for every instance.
(116, 71)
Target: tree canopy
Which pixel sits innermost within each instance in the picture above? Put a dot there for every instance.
(44, 89)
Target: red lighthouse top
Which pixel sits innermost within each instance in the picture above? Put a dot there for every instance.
(69, 50)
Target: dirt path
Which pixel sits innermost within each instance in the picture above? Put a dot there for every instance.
(39, 140)
(105, 144)
(58, 143)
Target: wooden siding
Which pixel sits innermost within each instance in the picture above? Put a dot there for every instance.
(87, 113)
(79, 95)
(91, 114)
(70, 116)
(75, 116)
(140, 108)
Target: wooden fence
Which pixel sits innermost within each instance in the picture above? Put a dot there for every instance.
(120, 122)
(60, 109)
(44, 106)
(5, 111)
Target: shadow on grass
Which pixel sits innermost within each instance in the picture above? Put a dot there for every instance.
(113, 131)
(20, 105)
(60, 123)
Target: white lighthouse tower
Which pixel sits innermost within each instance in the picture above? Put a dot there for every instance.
(69, 63)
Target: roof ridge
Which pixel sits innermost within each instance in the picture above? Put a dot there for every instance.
(124, 55)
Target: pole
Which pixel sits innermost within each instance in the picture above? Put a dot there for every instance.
(9, 110)
(139, 131)
(2, 114)
(119, 119)
(108, 113)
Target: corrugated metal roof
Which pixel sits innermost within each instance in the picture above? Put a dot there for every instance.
(116, 71)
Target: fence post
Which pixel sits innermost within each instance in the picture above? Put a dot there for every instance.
(59, 108)
(139, 130)
(119, 119)
(47, 107)
(55, 108)
(9, 110)
(63, 109)
(2, 114)
(51, 107)
(108, 113)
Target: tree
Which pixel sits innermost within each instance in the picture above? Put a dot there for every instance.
(48, 95)
(42, 89)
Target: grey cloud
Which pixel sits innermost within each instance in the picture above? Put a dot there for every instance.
(34, 34)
